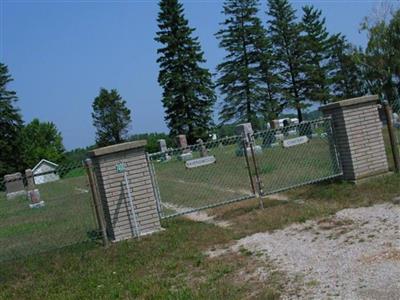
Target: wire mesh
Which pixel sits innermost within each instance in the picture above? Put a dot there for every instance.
(296, 155)
(396, 117)
(189, 179)
(62, 215)
(310, 157)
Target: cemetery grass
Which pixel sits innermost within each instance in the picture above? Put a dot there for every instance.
(65, 219)
(172, 264)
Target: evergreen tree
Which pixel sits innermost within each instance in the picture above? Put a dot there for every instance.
(10, 126)
(272, 104)
(285, 34)
(41, 140)
(246, 78)
(111, 118)
(317, 55)
(188, 91)
(347, 76)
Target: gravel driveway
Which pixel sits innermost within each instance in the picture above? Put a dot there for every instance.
(352, 255)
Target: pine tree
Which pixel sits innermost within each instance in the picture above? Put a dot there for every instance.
(111, 118)
(285, 34)
(10, 126)
(271, 104)
(246, 80)
(347, 75)
(317, 55)
(188, 95)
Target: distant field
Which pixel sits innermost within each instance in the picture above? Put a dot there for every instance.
(66, 219)
(228, 178)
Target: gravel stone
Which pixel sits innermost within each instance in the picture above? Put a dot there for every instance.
(352, 255)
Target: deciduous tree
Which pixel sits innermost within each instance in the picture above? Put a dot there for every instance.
(41, 140)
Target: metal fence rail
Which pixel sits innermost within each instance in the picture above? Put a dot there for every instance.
(65, 217)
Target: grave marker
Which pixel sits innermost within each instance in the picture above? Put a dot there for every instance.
(14, 185)
(203, 149)
(32, 192)
(186, 153)
(199, 162)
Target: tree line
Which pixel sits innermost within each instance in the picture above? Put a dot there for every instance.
(271, 64)
(282, 63)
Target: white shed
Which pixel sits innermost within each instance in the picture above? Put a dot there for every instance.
(48, 169)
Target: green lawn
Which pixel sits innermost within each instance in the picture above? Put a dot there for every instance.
(172, 264)
(66, 219)
(228, 179)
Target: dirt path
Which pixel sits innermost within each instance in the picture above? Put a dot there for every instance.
(352, 255)
(198, 216)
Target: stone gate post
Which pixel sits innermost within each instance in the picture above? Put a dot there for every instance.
(358, 136)
(126, 190)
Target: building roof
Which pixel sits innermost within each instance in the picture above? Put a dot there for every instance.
(42, 162)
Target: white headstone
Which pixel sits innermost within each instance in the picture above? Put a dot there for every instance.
(163, 145)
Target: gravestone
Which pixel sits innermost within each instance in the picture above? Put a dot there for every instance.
(163, 145)
(14, 185)
(183, 141)
(32, 192)
(245, 130)
(30, 182)
(163, 148)
(203, 149)
(186, 153)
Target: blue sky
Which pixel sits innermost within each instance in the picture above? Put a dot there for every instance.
(61, 52)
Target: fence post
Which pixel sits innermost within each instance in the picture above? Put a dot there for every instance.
(253, 155)
(248, 165)
(392, 136)
(358, 136)
(155, 185)
(98, 207)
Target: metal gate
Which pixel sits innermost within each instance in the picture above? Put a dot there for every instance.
(242, 167)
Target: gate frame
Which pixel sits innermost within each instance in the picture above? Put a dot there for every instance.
(252, 189)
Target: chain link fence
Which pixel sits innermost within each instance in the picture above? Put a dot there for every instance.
(296, 155)
(396, 118)
(219, 175)
(50, 210)
(395, 110)
(237, 168)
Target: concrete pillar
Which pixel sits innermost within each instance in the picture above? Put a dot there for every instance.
(358, 136)
(126, 190)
